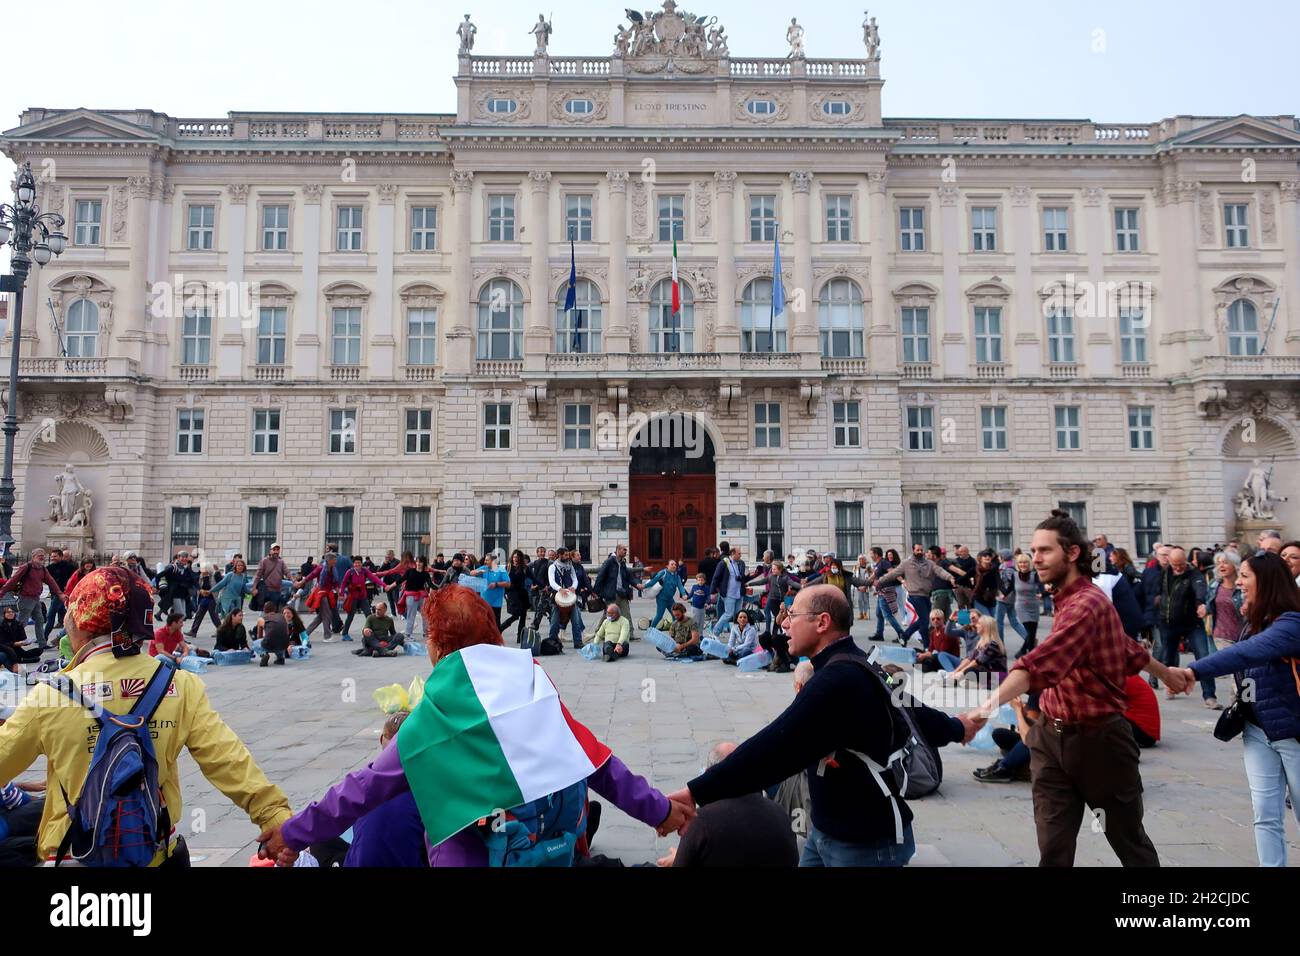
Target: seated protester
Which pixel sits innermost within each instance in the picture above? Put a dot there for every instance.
(738, 831)
(1013, 765)
(379, 637)
(273, 633)
(297, 629)
(776, 643)
(170, 639)
(699, 598)
(232, 635)
(20, 812)
(968, 634)
(943, 651)
(1142, 713)
(392, 834)
(12, 638)
(614, 635)
(989, 655)
(743, 639)
(684, 632)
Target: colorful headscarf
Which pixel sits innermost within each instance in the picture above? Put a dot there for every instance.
(112, 600)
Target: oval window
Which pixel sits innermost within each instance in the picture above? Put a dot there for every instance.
(579, 107)
(501, 105)
(761, 107)
(836, 108)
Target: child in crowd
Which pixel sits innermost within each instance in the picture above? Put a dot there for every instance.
(699, 598)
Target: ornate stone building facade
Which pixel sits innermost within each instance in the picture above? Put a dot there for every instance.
(300, 327)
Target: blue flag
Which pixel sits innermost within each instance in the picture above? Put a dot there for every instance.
(778, 291)
(571, 297)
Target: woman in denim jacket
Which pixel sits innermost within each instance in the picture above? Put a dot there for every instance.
(1224, 628)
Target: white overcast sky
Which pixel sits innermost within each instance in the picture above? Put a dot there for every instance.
(1108, 60)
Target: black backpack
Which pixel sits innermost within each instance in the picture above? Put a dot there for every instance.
(550, 646)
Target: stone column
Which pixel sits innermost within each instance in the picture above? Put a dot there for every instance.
(617, 333)
(382, 342)
(459, 336)
(728, 331)
(1023, 324)
(133, 311)
(803, 323)
(953, 343)
(1291, 273)
(309, 321)
(229, 322)
(539, 338)
(882, 343)
(1095, 330)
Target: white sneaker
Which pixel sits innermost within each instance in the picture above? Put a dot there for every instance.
(328, 640)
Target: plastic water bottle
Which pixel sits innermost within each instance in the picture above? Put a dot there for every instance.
(754, 662)
(983, 741)
(713, 647)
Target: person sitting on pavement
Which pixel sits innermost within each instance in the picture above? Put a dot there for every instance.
(232, 635)
(273, 632)
(944, 649)
(379, 636)
(776, 642)
(170, 640)
(989, 656)
(683, 632)
(21, 806)
(743, 639)
(13, 637)
(614, 635)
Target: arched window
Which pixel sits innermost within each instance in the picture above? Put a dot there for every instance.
(500, 321)
(82, 332)
(578, 329)
(669, 332)
(840, 311)
(758, 327)
(1243, 328)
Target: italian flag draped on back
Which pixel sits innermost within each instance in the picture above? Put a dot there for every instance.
(490, 734)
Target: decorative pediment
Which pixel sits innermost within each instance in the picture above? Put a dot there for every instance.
(916, 295)
(84, 125)
(421, 295)
(1240, 130)
(274, 295)
(346, 295)
(780, 112)
(991, 293)
(522, 97)
(1257, 290)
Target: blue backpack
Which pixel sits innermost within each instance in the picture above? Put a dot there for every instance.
(119, 818)
(544, 832)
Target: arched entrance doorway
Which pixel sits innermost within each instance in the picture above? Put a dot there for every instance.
(672, 494)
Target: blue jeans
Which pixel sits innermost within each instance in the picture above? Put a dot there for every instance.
(1007, 613)
(575, 624)
(922, 623)
(1272, 766)
(983, 608)
(823, 850)
(1200, 644)
(948, 661)
(55, 616)
(729, 608)
(883, 613)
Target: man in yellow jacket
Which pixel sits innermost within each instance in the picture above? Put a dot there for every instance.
(108, 621)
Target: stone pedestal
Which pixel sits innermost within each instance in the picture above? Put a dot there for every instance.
(1248, 530)
(77, 542)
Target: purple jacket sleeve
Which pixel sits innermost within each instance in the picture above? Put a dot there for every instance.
(629, 792)
(352, 797)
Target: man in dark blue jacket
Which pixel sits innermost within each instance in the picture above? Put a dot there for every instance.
(729, 585)
(614, 583)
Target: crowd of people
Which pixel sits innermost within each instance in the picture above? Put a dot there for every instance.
(836, 755)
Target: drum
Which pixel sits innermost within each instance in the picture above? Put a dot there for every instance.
(565, 600)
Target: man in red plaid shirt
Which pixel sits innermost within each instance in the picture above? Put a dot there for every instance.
(1082, 750)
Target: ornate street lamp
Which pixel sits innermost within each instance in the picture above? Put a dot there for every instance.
(35, 236)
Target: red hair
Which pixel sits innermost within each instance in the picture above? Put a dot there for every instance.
(456, 617)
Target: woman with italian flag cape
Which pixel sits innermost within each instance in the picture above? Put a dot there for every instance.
(489, 734)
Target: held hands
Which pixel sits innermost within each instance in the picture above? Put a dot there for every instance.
(972, 722)
(1179, 679)
(272, 847)
(681, 811)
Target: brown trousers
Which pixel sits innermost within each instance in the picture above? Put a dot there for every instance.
(1096, 766)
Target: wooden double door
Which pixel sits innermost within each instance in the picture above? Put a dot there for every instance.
(671, 518)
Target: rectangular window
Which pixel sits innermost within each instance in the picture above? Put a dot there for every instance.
(850, 533)
(839, 218)
(343, 431)
(266, 431)
(767, 425)
(911, 229)
(89, 217)
(496, 529)
(196, 337)
(1126, 231)
(424, 228)
(415, 532)
(993, 427)
(338, 529)
(1068, 436)
(496, 426)
(1132, 336)
(916, 335)
(1141, 427)
(348, 238)
(923, 523)
(185, 529)
(1146, 527)
(1056, 229)
(577, 530)
(261, 533)
(419, 431)
(577, 217)
(272, 324)
(1078, 510)
(988, 335)
(920, 428)
(1060, 336)
(984, 229)
(345, 337)
(762, 218)
(421, 336)
(202, 224)
(501, 217)
(275, 228)
(672, 218)
(577, 427)
(848, 425)
(189, 431)
(997, 525)
(1235, 225)
(769, 527)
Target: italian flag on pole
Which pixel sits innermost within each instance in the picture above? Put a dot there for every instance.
(490, 734)
(677, 286)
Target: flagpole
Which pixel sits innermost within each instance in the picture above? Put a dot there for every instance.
(1269, 331)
